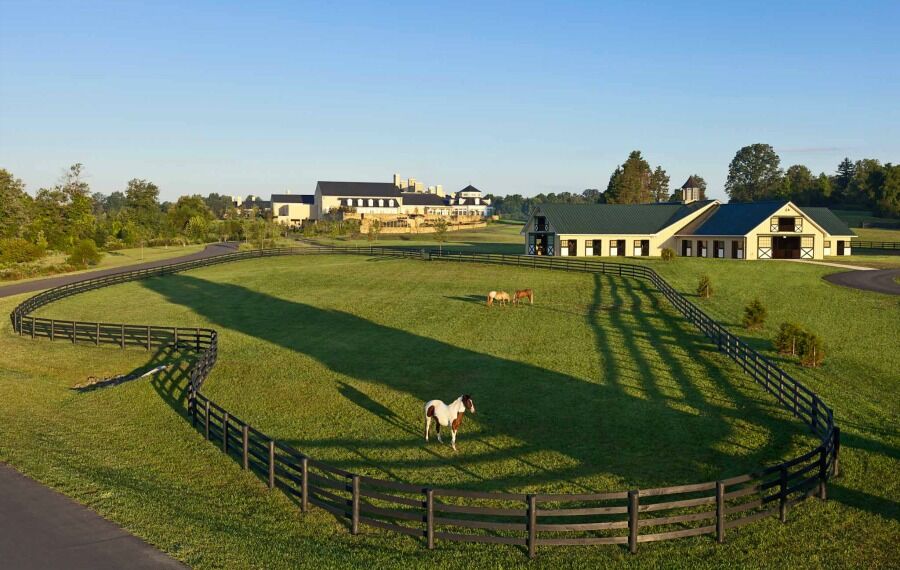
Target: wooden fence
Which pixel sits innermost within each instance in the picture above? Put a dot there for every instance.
(888, 245)
(527, 520)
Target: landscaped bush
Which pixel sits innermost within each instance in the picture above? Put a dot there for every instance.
(668, 254)
(787, 339)
(754, 315)
(84, 253)
(18, 250)
(704, 288)
(811, 352)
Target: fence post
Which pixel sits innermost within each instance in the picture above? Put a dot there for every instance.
(206, 419)
(823, 461)
(532, 525)
(73, 332)
(225, 434)
(245, 446)
(429, 518)
(122, 337)
(148, 338)
(632, 520)
(33, 326)
(52, 329)
(175, 330)
(813, 413)
(271, 464)
(720, 512)
(304, 485)
(354, 505)
(782, 494)
(98, 335)
(198, 339)
(837, 448)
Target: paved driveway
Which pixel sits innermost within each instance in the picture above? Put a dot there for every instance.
(880, 281)
(39, 528)
(211, 250)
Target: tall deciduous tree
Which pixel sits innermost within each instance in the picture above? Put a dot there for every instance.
(15, 206)
(659, 185)
(754, 174)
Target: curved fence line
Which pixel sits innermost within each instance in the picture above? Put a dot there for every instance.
(527, 520)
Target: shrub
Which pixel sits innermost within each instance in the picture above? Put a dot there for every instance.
(704, 288)
(668, 254)
(787, 339)
(754, 315)
(810, 350)
(84, 253)
(18, 250)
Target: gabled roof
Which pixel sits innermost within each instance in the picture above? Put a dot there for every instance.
(470, 188)
(640, 219)
(373, 189)
(738, 219)
(735, 219)
(293, 198)
(828, 221)
(422, 199)
(691, 183)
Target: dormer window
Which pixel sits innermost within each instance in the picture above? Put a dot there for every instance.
(540, 224)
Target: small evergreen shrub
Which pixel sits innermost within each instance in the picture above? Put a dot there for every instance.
(810, 350)
(754, 315)
(668, 254)
(787, 339)
(704, 288)
(84, 253)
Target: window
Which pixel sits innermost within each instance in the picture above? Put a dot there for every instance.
(371, 202)
(828, 243)
(786, 224)
(540, 224)
(806, 241)
(598, 247)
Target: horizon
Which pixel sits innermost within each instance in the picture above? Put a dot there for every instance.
(247, 100)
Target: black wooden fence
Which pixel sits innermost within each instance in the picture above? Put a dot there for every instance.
(887, 245)
(527, 520)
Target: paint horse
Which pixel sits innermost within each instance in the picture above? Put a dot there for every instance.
(502, 297)
(445, 415)
(523, 294)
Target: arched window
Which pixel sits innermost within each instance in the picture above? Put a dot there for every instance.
(380, 203)
(371, 202)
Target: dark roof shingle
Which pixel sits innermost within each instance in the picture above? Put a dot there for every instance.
(738, 219)
(376, 189)
(828, 221)
(293, 198)
(422, 199)
(640, 219)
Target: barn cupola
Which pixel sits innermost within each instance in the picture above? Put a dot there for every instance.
(690, 191)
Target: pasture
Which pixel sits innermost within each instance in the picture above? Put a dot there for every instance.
(599, 386)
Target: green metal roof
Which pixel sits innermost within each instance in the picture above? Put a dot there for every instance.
(640, 219)
(828, 220)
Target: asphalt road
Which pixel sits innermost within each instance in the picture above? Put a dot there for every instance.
(880, 281)
(39, 528)
(211, 250)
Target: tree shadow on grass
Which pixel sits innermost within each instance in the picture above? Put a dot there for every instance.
(636, 434)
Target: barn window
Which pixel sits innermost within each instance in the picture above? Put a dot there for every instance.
(827, 243)
(806, 241)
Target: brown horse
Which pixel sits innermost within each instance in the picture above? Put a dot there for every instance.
(502, 297)
(523, 294)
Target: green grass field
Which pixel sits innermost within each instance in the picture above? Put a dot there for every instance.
(598, 386)
(497, 237)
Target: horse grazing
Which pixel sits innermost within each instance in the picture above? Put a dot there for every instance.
(445, 415)
(502, 297)
(523, 294)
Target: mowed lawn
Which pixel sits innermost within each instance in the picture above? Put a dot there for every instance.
(598, 386)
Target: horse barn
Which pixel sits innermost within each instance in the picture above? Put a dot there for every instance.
(694, 228)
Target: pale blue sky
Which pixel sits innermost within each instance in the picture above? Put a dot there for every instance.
(524, 97)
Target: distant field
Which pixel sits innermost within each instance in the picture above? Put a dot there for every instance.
(499, 237)
(592, 388)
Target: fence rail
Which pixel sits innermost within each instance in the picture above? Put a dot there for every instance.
(528, 520)
(864, 244)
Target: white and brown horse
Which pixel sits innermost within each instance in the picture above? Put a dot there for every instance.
(445, 415)
(523, 294)
(501, 297)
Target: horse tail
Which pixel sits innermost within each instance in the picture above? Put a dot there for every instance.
(531, 296)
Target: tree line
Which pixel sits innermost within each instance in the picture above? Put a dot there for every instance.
(68, 217)
(754, 174)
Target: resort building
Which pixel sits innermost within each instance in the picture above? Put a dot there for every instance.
(692, 228)
(361, 197)
(292, 209)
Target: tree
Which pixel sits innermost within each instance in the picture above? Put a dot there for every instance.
(218, 204)
(84, 253)
(704, 287)
(887, 200)
(798, 184)
(186, 208)
(15, 206)
(659, 185)
(754, 174)
(440, 233)
(197, 228)
(846, 170)
(754, 315)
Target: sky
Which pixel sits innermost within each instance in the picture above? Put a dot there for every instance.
(519, 97)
